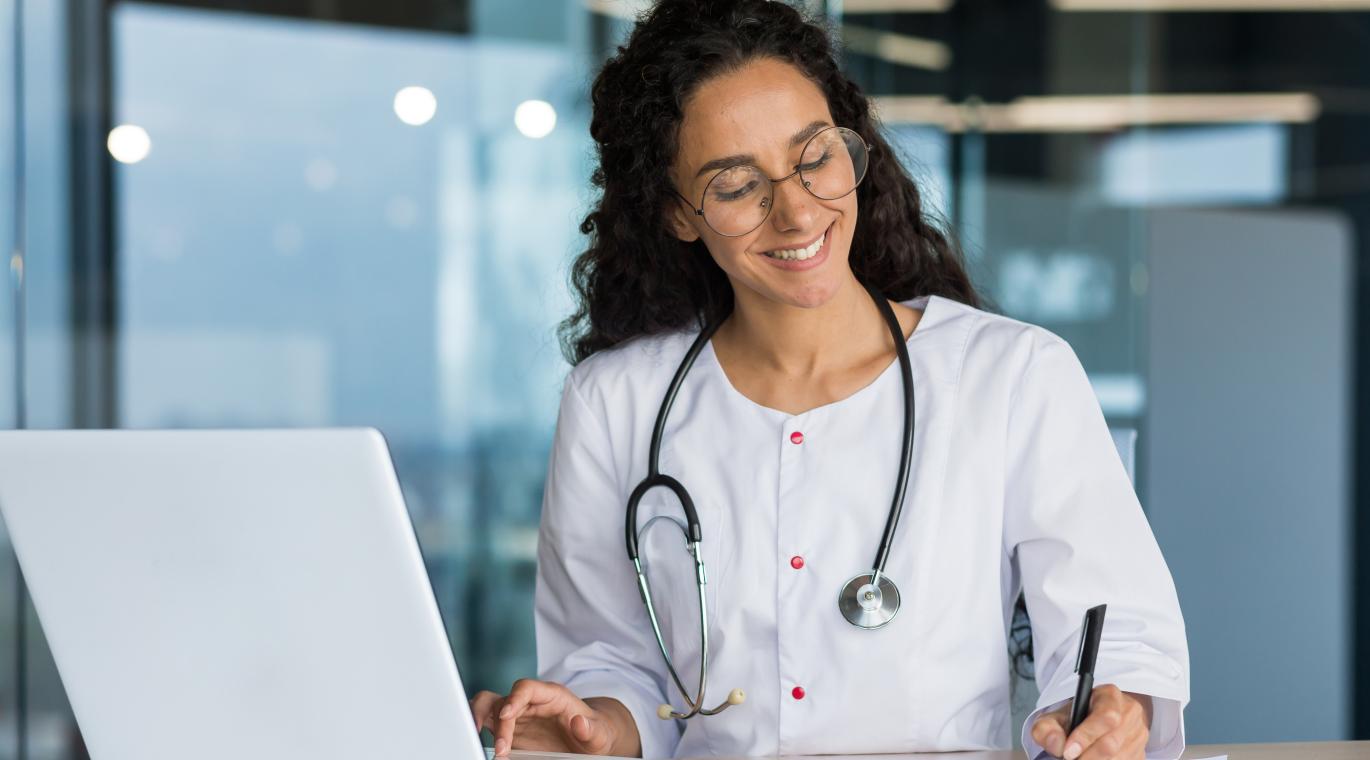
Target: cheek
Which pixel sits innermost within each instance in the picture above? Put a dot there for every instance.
(848, 210)
(847, 223)
(728, 253)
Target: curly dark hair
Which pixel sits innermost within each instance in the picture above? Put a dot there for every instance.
(637, 278)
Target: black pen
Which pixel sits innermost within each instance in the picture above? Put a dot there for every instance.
(1084, 663)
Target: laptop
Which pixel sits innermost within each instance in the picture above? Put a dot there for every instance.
(234, 594)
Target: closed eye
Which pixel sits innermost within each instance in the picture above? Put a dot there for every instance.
(816, 164)
(741, 192)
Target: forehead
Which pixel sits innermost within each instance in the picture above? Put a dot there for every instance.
(755, 109)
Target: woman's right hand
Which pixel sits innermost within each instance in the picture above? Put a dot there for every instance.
(546, 716)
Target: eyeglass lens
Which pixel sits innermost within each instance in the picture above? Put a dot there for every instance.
(737, 199)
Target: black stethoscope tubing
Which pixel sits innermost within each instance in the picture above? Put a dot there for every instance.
(878, 609)
(656, 479)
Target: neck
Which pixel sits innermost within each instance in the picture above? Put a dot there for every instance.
(803, 342)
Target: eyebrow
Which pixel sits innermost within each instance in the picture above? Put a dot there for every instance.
(799, 138)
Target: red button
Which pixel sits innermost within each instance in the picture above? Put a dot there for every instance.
(797, 562)
(798, 692)
(796, 437)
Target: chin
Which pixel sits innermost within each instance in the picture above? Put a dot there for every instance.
(810, 296)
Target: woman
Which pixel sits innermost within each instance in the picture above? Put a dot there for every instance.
(734, 197)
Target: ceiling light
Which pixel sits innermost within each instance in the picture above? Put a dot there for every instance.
(535, 118)
(1099, 113)
(128, 143)
(1210, 5)
(415, 105)
(903, 49)
(850, 7)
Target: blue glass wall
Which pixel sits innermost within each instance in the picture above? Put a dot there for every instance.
(292, 253)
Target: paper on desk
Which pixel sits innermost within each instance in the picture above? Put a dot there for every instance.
(1045, 756)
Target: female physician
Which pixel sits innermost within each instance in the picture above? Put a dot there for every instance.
(781, 372)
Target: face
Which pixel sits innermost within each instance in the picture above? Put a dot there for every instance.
(755, 114)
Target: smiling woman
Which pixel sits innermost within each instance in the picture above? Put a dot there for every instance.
(642, 273)
(754, 225)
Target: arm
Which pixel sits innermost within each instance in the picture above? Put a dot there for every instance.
(1078, 536)
(592, 630)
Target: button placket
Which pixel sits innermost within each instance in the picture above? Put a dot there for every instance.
(792, 549)
(792, 471)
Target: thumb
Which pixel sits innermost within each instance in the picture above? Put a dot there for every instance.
(590, 733)
(1049, 731)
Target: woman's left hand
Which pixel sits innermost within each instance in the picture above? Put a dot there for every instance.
(1116, 729)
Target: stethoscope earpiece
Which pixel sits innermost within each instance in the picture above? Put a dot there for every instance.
(735, 697)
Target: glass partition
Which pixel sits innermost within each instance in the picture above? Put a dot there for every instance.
(10, 186)
(335, 224)
(1151, 181)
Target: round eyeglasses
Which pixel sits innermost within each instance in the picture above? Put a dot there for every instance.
(739, 198)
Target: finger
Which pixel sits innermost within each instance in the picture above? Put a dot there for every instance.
(1126, 742)
(481, 705)
(527, 698)
(1049, 731)
(510, 711)
(582, 730)
(1105, 716)
(1106, 747)
(503, 727)
(590, 734)
(524, 693)
(1117, 745)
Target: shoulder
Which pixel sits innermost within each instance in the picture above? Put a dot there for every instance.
(993, 346)
(636, 367)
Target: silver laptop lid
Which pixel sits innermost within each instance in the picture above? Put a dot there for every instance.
(234, 594)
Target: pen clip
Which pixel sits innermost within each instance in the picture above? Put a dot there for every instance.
(1080, 653)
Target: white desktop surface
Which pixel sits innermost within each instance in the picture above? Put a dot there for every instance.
(1278, 751)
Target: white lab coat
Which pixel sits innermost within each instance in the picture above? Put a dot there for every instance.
(1015, 485)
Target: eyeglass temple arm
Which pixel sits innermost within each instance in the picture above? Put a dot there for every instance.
(699, 211)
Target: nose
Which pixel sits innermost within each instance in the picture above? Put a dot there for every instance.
(794, 207)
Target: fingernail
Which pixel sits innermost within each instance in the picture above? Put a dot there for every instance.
(499, 747)
(508, 709)
(1073, 751)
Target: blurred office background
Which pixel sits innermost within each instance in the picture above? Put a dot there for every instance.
(224, 213)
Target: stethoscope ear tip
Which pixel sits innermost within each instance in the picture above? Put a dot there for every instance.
(736, 697)
(664, 712)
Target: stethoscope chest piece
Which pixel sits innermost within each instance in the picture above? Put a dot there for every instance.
(868, 605)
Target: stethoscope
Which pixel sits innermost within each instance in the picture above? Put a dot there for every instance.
(869, 600)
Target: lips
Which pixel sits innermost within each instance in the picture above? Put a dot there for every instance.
(801, 253)
(810, 256)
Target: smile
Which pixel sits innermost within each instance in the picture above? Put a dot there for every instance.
(798, 254)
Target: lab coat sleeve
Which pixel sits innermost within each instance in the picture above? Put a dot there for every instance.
(592, 630)
(1079, 537)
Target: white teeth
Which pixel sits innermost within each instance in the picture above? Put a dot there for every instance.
(799, 254)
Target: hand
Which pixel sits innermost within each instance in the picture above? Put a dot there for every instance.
(546, 716)
(1116, 728)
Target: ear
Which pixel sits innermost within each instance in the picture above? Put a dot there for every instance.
(679, 219)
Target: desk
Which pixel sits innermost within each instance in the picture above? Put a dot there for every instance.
(1291, 751)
